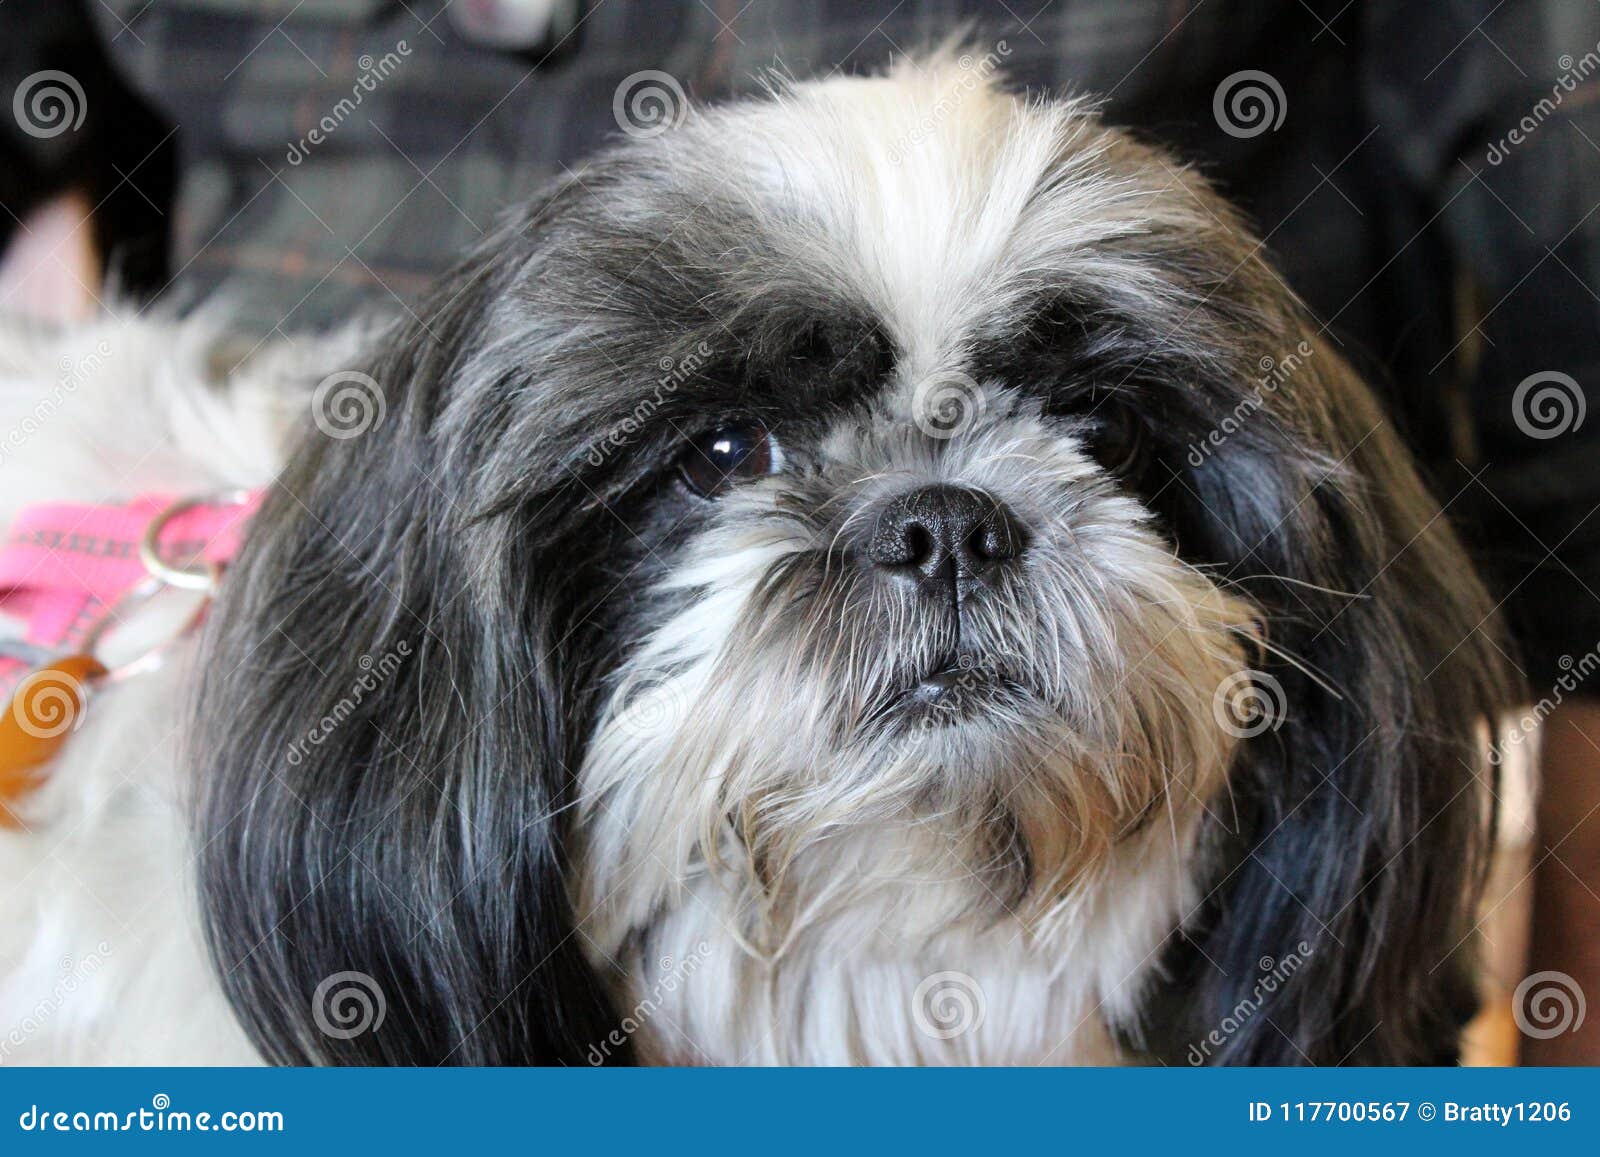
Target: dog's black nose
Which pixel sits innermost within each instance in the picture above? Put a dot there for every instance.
(945, 535)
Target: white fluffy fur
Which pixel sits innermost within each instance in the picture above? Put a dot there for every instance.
(100, 959)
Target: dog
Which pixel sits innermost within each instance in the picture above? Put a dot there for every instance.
(881, 573)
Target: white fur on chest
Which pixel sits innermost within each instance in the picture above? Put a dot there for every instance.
(893, 973)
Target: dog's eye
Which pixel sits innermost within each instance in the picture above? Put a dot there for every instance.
(722, 457)
(1118, 438)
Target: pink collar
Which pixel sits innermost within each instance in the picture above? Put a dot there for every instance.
(64, 568)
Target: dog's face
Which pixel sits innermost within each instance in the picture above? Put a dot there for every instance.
(965, 623)
(894, 457)
(902, 556)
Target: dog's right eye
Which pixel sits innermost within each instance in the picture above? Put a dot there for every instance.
(1114, 433)
(1119, 439)
(733, 453)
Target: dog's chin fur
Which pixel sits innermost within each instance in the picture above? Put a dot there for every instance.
(652, 782)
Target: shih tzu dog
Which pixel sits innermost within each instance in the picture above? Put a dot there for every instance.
(879, 574)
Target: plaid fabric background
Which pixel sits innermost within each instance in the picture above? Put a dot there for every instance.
(1448, 276)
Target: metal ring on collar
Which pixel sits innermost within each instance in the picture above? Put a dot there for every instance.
(203, 578)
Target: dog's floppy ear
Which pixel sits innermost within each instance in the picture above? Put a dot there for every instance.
(385, 735)
(1348, 851)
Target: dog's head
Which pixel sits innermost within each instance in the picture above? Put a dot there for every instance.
(892, 455)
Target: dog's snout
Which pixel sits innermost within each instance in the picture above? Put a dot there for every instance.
(945, 531)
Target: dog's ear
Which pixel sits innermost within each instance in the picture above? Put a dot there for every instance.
(1347, 853)
(386, 734)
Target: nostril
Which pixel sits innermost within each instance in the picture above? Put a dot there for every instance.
(900, 540)
(918, 544)
(996, 539)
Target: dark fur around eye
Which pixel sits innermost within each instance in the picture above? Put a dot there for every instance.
(1116, 434)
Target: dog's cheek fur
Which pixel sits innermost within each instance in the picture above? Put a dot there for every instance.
(418, 840)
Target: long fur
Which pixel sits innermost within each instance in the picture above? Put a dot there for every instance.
(622, 729)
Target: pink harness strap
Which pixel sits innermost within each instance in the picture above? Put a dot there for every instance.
(63, 565)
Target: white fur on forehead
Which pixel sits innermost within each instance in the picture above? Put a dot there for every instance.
(934, 192)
